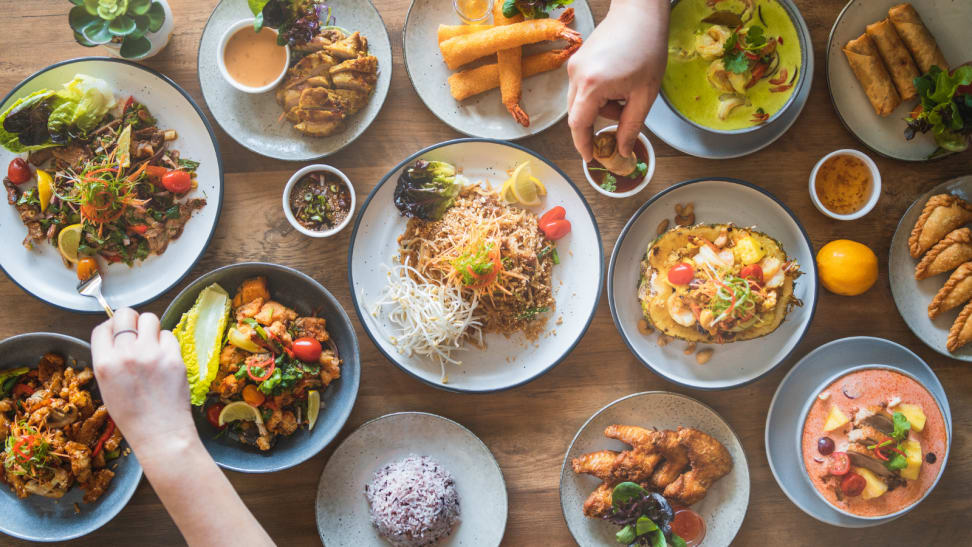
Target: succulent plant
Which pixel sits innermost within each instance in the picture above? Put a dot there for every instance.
(97, 22)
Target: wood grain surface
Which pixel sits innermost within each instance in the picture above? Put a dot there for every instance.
(529, 428)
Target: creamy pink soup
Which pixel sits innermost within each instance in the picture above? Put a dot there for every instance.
(872, 387)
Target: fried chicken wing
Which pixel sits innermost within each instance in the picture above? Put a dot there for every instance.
(709, 461)
(598, 503)
(600, 464)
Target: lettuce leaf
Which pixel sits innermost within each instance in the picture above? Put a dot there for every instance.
(84, 102)
(11, 140)
(200, 335)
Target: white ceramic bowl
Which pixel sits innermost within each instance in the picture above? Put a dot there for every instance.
(290, 186)
(221, 63)
(641, 185)
(875, 185)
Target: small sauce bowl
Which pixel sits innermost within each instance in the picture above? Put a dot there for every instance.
(875, 185)
(241, 26)
(644, 181)
(290, 214)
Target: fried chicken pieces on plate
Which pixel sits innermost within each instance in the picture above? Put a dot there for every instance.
(330, 84)
(681, 464)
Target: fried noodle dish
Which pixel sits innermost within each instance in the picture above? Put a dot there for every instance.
(55, 432)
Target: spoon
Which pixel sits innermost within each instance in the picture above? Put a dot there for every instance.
(92, 287)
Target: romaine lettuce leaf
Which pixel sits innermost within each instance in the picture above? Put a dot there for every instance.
(11, 140)
(200, 334)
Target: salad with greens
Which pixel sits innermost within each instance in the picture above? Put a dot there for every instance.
(945, 109)
(645, 517)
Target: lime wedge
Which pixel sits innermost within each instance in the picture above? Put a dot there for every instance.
(313, 408)
(124, 148)
(239, 411)
(68, 241)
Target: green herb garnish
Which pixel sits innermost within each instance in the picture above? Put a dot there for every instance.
(530, 313)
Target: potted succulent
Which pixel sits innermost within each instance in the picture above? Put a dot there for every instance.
(131, 29)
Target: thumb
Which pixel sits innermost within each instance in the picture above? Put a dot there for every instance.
(629, 125)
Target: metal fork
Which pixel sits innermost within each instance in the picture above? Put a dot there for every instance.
(92, 287)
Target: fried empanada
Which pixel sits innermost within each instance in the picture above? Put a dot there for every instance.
(961, 331)
(947, 254)
(957, 291)
(942, 214)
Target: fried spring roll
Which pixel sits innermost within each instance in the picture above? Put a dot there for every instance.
(896, 58)
(865, 61)
(459, 50)
(448, 31)
(478, 80)
(510, 65)
(916, 36)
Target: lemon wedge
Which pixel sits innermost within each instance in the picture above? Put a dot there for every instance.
(523, 188)
(541, 189)
(239, 411)
(68, 241)
(313, 408)
(124, 147)
(45, 188)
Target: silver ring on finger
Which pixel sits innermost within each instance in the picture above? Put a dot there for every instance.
(126, 331)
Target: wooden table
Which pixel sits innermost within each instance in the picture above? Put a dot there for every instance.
(529, 428)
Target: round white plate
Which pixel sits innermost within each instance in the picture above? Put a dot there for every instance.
(41, 272)
(912, 296)
(343, 516)
(681, 135)
(724, 506)
(544, 95)
(506, 362)
(716, 201)
(948, 21)
(786, 413)
(253, 120)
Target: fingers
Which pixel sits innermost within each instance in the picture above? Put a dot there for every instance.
(101, 344)
(629, 124)
(581, 120)
(126, 319)
(171, 349)
(148, 328)
(611, 110)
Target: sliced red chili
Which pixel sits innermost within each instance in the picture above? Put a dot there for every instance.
(109, 429)
(27, 441)
(269, 370)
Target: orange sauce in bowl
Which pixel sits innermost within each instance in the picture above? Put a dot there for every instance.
(843, 184)
(253, 58)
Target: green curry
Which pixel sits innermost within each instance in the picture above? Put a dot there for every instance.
(733, 65)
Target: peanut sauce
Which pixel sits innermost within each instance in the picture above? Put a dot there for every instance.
(253, 58)
(843, 184)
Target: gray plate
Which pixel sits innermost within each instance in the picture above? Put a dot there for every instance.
(307, 296)
(725, 504)
(912, 296)
(43, 519)
(253, 120)
(343, 517)
(800, 384)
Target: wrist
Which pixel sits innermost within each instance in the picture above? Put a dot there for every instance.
(163, 450)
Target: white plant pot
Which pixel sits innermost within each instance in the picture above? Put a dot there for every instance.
(159, 39)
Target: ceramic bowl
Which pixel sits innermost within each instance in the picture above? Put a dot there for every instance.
(641, 185)
(43, 519)
(875, 185)
(290, 214)
(221, 59)
(305, 295)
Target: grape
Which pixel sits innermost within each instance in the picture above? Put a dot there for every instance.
(825, 445)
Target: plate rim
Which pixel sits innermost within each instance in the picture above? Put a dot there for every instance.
(563, 467)
(406, 161)
(627, 228)
(219, 167)
(381, 105)
(320, 482)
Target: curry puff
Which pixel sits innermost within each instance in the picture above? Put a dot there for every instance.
(946, 255)
(961, 331)
(956, 291)
(942, 214)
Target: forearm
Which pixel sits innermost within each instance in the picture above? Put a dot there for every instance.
(198, 495)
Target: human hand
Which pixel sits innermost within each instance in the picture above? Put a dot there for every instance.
(142, 380)
(623, 60)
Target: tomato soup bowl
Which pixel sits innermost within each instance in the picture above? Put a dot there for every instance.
(887, 517)
(221, 59)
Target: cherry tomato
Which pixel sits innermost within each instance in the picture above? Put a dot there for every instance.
(754, 272)
(307, 349)
(681, 274)
(852, 484)
(212, 414)
(556, 229)
(689, 526)
(839, 463)
(18, 172)
(177, 182)
(87, 267)
(557, 213)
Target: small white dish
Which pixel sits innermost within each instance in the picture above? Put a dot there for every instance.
(875, 185)
(221, 61)
(641, 185)
(290, 214)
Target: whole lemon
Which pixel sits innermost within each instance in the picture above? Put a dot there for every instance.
(847, 267)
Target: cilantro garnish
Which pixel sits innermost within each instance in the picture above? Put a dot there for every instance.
(609, 183)
(901, 426)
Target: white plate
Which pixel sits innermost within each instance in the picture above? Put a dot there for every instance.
(506, 362)
(948, 21)
(253, 120)
(716, 201)
(343, 517)
(685, 137)
(544, 95)
(788, 407)
(41, 272)
(724, 506)
(912, 296)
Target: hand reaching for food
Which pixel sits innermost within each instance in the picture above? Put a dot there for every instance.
(623, 60)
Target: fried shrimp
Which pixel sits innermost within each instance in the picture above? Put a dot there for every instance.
(459, 50)
(510, 64)
(474, 81)
(448, 31)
